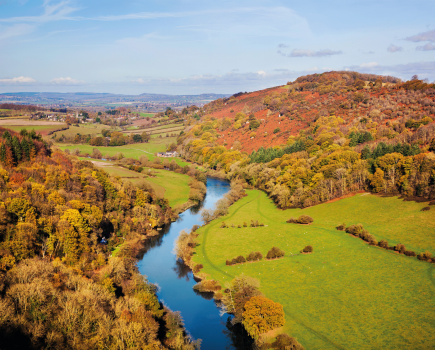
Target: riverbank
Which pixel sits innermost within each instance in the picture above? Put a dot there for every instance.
(175, 281)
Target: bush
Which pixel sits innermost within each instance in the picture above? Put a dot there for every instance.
(383, 244)
(245, 225)
(341, 227)
(426, 256)
(275, 253)
(207, 286)
(197, 268)
(254, 256)
(277, 130)
(355, 230)
(425, 209)
(410, 253)
(303, 219)
(285, 342)
(223, 225)
(308, 249)
(400, 248)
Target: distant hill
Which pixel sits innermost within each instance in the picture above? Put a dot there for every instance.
(95, 99)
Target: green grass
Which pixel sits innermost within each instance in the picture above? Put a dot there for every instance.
(347, 294)
(37, 128)
(151, 115)
(175, 185)
(168, 184)
(130, 151)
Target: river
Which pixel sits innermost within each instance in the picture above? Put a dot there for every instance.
(175, 280)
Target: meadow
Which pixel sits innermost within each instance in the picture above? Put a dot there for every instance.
(43, 127)
(134, 151)
(168, 184)
(346, 294)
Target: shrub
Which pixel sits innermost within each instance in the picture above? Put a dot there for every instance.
(277, 130)
(197, 268)
(400, 248)
(425, 209)
(355, 230)
(238, 226)
(241, 259)
(254, 256)
(223, 225)
(308, 249)
(424, 256)
(275, 253)
(245, 225)
(410, 253)
(303, 219)
(383, 244)
(341, 227)
(285, 342)
(207, 286)
(228, 263)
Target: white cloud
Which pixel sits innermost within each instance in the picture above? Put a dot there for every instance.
(66, 81)
(394, 48)
(18, 80)
(427, 47)
(262, 73)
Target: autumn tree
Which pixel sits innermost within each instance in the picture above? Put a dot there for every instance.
(262, 315)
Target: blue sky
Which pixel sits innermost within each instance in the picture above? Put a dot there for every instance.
(193, 47)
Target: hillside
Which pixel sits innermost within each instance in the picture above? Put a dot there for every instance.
(332, 134)
(379, 104)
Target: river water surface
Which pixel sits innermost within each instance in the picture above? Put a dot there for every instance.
(175, 280)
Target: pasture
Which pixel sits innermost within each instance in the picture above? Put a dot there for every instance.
(346, 294)
(134, 151)
(42, 127)
(167, 184)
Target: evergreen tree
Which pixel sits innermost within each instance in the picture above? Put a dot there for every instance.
(16, 148)
(25, 147)
(7, 136)
(3, 153)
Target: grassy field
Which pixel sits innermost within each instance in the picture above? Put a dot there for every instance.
(147, 114)
(38, 128)
(134, 151)
(173, 186)
(346, 294)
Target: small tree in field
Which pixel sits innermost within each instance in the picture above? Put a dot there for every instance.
(262, 315)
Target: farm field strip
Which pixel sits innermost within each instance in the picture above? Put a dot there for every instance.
(346, 294)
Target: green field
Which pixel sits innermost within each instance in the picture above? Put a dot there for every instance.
(168, 184)
(37, 128)
(134, 151)
(147, 114)
(346, 294)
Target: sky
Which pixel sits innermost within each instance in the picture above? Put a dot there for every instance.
(202, 46)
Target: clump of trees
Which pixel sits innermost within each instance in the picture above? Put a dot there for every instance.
(61, 288)
(253, 256)
(275, 253)
(359, 231)
(303, 219)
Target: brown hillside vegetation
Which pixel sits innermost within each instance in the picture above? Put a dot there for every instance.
(285, 110)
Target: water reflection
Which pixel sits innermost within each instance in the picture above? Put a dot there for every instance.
(201, 315)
